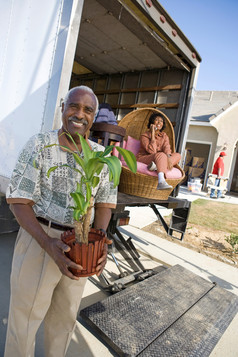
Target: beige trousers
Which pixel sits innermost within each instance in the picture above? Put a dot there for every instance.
(40, 292)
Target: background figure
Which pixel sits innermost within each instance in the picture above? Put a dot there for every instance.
(155, 150)
(218, 169)
(105, 115)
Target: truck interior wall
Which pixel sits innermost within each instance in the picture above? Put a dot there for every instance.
(163, 89)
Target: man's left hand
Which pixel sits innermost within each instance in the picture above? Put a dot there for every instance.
(103, 260)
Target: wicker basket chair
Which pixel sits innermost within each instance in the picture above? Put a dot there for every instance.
(140, 184)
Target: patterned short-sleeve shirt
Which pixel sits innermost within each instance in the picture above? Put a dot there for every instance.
(51, 196)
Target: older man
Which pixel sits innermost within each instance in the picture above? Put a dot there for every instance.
(42, 287)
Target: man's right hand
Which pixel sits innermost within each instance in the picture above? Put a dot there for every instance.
(56, 249)
(53, 246)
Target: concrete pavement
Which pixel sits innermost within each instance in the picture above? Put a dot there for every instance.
(154, 251)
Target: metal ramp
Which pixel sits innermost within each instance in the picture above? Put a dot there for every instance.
(173, 313)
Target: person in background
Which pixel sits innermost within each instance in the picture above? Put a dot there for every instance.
(105, 115)
(155, 150)
(42, 286)
(218, 169)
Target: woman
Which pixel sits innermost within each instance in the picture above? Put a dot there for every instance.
(155, 150)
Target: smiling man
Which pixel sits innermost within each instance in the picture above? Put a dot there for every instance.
(42, 287)
(78, 112)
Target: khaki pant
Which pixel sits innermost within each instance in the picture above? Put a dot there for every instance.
(40, 292)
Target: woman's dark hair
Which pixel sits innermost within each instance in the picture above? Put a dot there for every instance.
(152, 120)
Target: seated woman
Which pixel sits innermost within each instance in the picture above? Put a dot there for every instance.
(155, 150)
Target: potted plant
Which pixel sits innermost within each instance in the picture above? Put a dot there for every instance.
(87, 244)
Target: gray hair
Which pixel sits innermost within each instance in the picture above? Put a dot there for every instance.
(86, 89)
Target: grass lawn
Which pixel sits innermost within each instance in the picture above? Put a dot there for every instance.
(217, 215)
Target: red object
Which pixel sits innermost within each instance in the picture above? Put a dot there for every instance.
(174, 32)
(219, 164)
(85, 255)
(162, 19)
(148, 3)
(223, 153)
(194, 55)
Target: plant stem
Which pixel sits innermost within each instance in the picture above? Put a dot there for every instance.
(82, 227)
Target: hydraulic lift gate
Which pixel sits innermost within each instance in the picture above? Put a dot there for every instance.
(173, 313)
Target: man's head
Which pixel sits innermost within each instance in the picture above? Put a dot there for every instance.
(222, 154)
(78, 110)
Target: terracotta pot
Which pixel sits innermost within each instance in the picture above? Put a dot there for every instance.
(83, 254)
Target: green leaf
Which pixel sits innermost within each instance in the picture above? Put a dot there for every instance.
(95, 181)
(53, 168)
(93, 166)
(35, 165)
(72, 139)
(79, 199)
(114, 167)
(88, 191)
(85, 148)
(77, 214)
(129, 158)
(79, 161)
(107, 151)
(79, 187)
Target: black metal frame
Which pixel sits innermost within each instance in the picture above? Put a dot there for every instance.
(180, 212)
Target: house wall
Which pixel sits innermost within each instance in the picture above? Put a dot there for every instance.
(226, 125)
(222, 135)
(204, 135)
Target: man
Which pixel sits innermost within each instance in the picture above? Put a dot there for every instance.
(42, 287)
(218, 169)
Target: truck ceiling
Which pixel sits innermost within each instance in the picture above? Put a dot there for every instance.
(121, 36)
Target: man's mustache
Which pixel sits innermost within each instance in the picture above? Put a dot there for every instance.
(83, 121)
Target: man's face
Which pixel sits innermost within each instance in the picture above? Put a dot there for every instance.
(78, 112)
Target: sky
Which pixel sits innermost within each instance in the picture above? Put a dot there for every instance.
(212, 28)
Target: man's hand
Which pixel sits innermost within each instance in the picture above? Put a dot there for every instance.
(56, 249)
(103, 260)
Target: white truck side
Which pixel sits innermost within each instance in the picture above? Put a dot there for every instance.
(130, 52)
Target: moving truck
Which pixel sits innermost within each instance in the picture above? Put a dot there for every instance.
(130, 52)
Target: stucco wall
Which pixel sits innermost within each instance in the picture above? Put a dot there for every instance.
(204, 135)
(226, 125)
(223, 129)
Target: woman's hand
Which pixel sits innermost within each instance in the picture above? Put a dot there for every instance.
(152, 129)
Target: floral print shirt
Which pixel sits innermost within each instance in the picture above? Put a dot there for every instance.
(50, 197)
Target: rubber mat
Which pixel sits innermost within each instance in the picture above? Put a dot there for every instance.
(173, 313)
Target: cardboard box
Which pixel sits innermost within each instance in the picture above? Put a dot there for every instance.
(198, 162)
(195, 172)
(188, 157)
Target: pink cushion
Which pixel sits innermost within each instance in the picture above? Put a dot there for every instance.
(173, 174)
(133, 145)
(142, 168)
(115, 152)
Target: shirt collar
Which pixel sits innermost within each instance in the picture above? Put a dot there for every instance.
(63, 141)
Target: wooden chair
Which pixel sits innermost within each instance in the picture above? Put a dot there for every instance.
(108, 133)
(140, 184)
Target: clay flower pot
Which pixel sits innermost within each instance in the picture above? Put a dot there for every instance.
(83, 254)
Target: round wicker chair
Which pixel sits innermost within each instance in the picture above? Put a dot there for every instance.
(140, 184)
